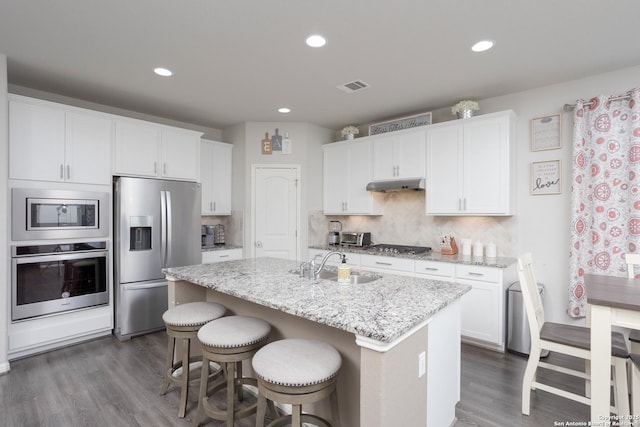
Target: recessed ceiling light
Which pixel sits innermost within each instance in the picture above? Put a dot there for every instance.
(284, 110)
(316, 40)
(162, 72)
(483, 45)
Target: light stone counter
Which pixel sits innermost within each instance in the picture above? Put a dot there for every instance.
(399, 337)
(382, 310)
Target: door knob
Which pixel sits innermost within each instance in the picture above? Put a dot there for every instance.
(258, 244)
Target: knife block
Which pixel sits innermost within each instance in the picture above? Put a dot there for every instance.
(449, 249)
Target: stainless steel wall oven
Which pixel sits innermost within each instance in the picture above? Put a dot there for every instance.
(57, 277)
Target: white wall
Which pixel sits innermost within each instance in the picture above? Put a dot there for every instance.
(5, 296)
(307, 140)
(544, 221)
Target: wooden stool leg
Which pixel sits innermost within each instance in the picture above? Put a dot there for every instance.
(185, 377)
(296, 415)
(261, 409)
(335, 414)
(231, 381)
(204, 382)
(171, 342)
(239, 382)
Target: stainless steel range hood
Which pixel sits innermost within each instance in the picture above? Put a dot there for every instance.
(416, 184)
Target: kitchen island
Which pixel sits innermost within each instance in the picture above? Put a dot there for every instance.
(399, 337)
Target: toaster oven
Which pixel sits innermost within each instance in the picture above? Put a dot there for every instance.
(355, 238)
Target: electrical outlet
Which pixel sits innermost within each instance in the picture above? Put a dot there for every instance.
(422, 364)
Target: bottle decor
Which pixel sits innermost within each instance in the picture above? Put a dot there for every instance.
(349, 132)
(465, 109)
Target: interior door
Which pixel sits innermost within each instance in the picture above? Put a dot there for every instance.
(276, 212)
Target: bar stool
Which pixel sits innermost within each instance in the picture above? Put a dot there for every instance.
(228, 341)
(183, 322)
(297, 371)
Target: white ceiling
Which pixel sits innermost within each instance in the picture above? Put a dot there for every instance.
(240, 60)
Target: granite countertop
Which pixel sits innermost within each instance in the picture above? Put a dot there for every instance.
(499, 262)
(382, 310)
(220, 247)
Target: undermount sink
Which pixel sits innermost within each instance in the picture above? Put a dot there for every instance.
(333, 275)
(354, 279)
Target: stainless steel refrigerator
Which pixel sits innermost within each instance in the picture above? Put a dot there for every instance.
(156, 225)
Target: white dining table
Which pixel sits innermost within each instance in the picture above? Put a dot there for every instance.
(613, 301)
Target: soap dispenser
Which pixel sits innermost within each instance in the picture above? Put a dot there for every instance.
(344, 271)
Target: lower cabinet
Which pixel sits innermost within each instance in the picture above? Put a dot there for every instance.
(483, 308)
(221, 255)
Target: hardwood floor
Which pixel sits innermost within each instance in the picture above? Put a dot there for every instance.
(106, 382)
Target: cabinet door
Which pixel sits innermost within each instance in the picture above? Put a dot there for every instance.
(335, 177)
(137, 148)
(179, 156)
(215, 175)
(444, 173)
(409, 154)
(359, 168)
(482, 312)
(486, 167)
(88, 148)
(384, 159)
(36, 141)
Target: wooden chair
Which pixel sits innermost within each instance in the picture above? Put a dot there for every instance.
(567, 339)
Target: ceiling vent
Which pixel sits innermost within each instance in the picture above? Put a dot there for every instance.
(353, 86)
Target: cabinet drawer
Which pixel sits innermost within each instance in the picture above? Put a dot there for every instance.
(383, 263)
(221, 255)
(434, 268)
(478, 273)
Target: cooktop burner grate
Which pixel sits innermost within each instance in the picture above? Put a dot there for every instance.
(400, 249)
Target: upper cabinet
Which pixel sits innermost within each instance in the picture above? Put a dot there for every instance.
(470, 166)
(156, 151)
(347, 171)
(215, 175)
(399, 155)
(56, 143)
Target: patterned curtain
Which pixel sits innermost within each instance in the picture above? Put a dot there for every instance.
(605, 192)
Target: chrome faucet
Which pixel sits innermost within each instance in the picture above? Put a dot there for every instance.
(313, 272)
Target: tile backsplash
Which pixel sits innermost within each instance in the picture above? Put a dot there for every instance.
(404, 222)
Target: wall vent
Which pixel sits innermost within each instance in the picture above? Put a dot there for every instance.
(353, 86)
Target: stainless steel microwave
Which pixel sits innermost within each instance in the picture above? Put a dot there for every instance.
(355, 238)
(58, 214)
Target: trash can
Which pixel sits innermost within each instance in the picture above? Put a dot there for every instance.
(518, 337)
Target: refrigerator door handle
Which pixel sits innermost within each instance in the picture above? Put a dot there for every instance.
(163, 229)
(169, 232)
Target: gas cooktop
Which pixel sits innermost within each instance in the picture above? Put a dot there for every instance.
(399, 249)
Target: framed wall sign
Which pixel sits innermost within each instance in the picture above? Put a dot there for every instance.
(546, 177)
(400, 124)
(546, 133)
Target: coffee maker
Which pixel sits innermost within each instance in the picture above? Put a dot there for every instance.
(335, 227)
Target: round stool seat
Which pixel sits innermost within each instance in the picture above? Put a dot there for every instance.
(193, 313)
(297, 362)
(234, 332)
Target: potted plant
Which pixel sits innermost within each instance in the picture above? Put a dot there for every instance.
(348, 132)
(465, 109)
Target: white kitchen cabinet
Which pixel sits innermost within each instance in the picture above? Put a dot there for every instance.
(221, 255)
(215, 176)
(470, 166)
(347, 171)
(399, 155)
(318, 254)
(57, 143)
(156, 151)
(484, 306)
(436, 270)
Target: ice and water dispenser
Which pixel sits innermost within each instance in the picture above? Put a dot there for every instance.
(140, 230)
